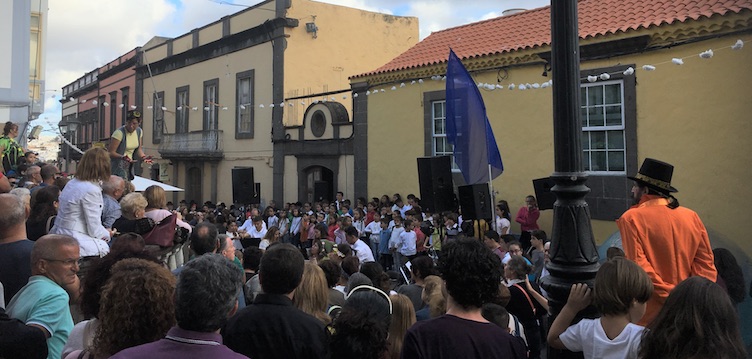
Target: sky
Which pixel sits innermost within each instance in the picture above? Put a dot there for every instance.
(84, 35)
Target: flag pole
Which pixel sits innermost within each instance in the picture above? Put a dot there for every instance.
(493, 199)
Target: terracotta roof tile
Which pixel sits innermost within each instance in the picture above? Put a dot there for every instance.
(532, 28)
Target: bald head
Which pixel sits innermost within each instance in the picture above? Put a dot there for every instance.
(114, 187)
(49, 245)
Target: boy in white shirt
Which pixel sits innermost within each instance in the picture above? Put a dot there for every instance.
(373, 231)
(622, 289)
(394, 240)
(407, 242)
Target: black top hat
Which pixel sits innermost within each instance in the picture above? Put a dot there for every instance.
(133, 114)
(655, 174)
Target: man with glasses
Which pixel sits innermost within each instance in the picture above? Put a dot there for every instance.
(43, 302)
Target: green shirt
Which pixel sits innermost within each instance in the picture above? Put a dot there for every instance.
(44, 303)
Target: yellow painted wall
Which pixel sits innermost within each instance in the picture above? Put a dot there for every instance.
(249, 18)
(349, 42)
(345, 179)
(182, 43)
(256, 152)
(210, 33)
(291, 179)
(695, 116)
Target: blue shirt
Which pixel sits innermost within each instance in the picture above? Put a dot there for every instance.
(384, 236)
(44, 303)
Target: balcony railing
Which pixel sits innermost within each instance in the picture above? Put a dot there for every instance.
(205, 145)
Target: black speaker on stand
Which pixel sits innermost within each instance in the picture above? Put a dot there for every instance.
(243, 187)
(543, 193)
(476, 202)
(436, 184)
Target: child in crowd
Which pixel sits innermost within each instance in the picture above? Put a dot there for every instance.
(373, 233)
(407, 242)
(698, 320)
(622, 289)
(358, 221)
(296, 222)
(394, 239)
(385, 256)
(284, 225)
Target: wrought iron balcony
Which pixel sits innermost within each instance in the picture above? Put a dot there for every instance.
(200, 145)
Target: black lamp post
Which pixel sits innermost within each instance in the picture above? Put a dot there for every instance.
(574, 256)
(68, 129)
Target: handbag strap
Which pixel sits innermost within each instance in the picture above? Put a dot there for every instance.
(526, 296)
(50, 221)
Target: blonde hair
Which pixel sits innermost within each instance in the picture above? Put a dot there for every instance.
(312, 294)
(156, 197)
(403, 317)
(94, 165)
(433, 295)
(132, 202)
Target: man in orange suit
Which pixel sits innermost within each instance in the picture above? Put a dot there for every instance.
(668, 241)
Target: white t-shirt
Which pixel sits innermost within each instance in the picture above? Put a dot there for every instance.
(363, 251)
(502, 222)
(264, 244)
(375, 229)
(588, 337)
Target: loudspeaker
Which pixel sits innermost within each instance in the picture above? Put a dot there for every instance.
(543, 193)
(436, 185)
(242, 185)
(321, 191)
(476, 202)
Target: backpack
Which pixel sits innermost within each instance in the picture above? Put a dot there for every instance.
(11, 155)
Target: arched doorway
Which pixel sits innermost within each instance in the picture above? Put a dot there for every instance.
(319, 184)
(193, 185)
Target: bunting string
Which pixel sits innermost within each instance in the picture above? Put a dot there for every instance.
(376, 90)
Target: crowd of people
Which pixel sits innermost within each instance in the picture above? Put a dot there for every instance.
(380, 278)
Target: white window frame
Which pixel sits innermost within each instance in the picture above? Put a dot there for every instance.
(590, 129)
(435, 136)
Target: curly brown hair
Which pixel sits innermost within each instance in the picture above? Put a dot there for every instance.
(137, 306)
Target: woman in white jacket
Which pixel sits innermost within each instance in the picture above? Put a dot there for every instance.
(80, 212)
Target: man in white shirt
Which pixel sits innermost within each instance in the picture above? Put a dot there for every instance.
(362, 251)
(257, 230)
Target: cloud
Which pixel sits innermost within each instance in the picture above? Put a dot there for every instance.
(83, 35)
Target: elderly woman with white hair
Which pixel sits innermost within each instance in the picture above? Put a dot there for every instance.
(133, 219)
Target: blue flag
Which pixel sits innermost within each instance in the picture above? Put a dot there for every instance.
(468, 129)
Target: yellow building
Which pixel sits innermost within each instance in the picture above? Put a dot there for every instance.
(233, 94)
(649, 88)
